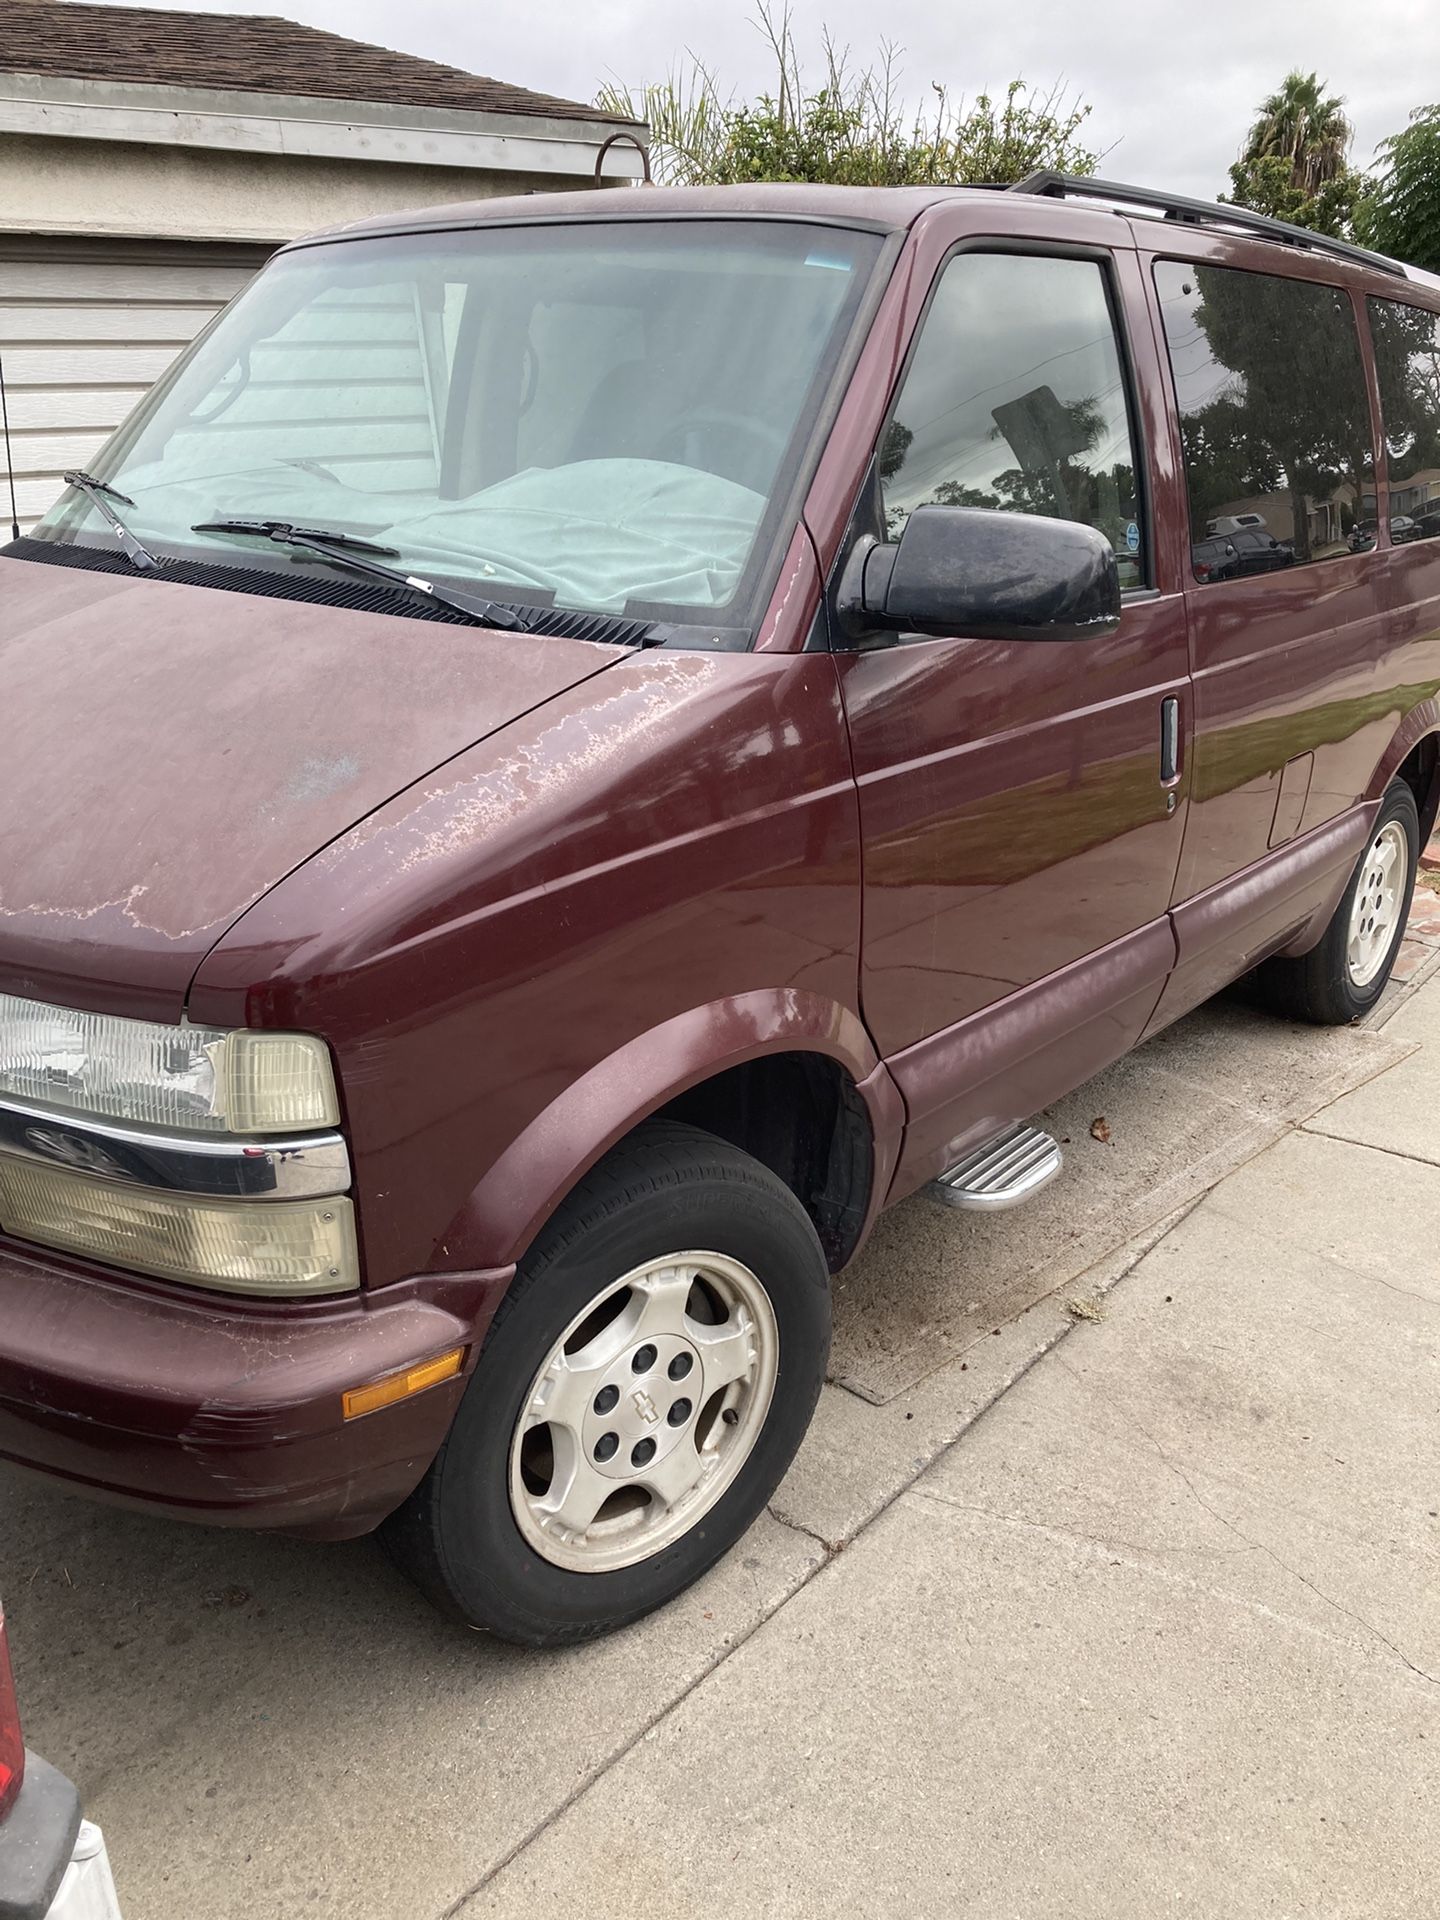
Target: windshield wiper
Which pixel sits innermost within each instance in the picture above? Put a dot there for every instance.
(284, 533)
(346, 550)
(97, 491)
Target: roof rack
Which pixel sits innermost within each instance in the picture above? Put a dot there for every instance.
(1200, 213)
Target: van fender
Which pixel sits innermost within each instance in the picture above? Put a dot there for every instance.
(520, 1191)
(1420, 722)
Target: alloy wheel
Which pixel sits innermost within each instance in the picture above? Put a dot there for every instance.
(1376, 906)
(645, 1411)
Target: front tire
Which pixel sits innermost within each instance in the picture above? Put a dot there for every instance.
(1341, 979)
(642, 1391)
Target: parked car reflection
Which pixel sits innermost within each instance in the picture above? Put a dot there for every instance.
(1402, 529)
(1247, 550)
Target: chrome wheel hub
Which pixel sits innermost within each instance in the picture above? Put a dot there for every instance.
(644, 1406)
(1376, 906)
(644, 1413)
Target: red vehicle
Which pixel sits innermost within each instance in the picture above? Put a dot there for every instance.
(53, 1864)
(575, 749)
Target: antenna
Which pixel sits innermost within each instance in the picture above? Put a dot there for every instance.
(9, 462)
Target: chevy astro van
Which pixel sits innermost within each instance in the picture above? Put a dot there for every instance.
(577, 748)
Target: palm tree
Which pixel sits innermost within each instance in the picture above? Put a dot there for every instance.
(1299, 124)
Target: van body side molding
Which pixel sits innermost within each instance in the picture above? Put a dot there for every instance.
(1278, 904)
(965, 1084)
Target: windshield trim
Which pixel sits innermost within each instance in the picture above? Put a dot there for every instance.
(731, 626)
(503, 223)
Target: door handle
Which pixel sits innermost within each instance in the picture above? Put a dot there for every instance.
(1170, 747)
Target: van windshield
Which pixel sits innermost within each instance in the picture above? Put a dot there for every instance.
(605, 415)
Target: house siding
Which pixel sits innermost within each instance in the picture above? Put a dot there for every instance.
(84, 332)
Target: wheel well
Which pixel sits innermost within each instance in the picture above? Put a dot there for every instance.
(1420, 770)
(801, 1115)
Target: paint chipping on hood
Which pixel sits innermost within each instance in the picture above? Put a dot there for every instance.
(171, 752)
(553, 758)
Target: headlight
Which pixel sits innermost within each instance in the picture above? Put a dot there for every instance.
(269, 1248)
(194, 1079)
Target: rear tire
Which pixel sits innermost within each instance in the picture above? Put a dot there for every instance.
(566, 1502)
(1341, 979)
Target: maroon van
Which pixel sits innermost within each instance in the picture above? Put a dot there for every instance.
(440, 1071)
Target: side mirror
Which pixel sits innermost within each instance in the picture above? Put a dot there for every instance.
(972, 573)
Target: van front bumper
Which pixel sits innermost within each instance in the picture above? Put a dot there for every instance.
(225, 1410)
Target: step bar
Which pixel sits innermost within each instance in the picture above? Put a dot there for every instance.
(1002, 1173)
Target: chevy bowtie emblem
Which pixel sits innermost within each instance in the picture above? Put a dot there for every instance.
(645, 1406)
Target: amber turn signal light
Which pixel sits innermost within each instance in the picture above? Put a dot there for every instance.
(400, 1386)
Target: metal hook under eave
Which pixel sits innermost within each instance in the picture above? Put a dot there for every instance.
(639, 146)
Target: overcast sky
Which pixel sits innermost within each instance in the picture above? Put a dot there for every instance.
(1173, 87)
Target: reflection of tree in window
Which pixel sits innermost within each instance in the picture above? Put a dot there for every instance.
(1046, 436)
(893, 449)
(1015, 399)
(890, 459)
(1272, 398)
(1407, 362)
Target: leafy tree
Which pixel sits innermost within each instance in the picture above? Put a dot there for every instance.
(1402, 215)
(1267, 186)
(1295, 162)
(849, 127)
(1301, 125)
(999, 141)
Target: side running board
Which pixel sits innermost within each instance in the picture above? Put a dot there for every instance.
(1002, 1173)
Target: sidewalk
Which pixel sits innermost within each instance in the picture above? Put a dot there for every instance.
(1159, 1635)
(1103, 1586)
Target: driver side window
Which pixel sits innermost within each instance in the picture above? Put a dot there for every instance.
(1015, 398)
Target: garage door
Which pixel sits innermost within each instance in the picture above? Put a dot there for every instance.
(84, 331)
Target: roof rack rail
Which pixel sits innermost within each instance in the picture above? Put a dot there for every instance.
(1200, 213)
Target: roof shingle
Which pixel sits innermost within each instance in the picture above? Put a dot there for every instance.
(250, 53)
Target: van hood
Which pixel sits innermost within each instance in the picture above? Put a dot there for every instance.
(168, 753)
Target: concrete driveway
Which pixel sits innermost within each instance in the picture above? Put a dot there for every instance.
(1107, 1587)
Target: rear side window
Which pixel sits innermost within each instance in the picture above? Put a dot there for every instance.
(1273, 414)
(1015, 398)
(1407, 359)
